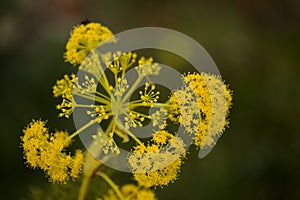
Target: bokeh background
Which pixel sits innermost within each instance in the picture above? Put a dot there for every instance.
(255, 44)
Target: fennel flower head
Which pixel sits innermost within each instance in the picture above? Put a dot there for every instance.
(121, 106)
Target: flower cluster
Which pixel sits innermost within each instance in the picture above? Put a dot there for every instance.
(214, 100)
(45, 150)
(119, 106)
(83, 39)
(158, 163)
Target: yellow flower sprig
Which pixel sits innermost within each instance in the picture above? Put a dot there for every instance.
(200, 106)
(158, 163)
(46, 151)
(214, 99)
(83, 39)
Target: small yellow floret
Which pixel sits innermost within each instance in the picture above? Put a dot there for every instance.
(64, 88)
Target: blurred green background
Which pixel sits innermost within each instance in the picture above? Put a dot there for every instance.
(255, 44)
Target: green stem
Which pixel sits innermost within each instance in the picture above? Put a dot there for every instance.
(141, 114)
(103, 95)
(81, 129)
(109, 127)
(102, 77)
(130, 134)
(105, 84)
(84, 186)
(132, 89)
(90, 167)
(135, 101)
(158, 105)
(83, 106)
(111, 184)
(93, 98)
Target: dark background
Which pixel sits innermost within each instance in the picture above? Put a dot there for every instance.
(255, 44)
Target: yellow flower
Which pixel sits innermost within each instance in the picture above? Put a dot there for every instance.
(83, 39)
(64, 88)
(146, 67)
(107, 97)
(133, 119)
(131, 192)
(174, 109)
(159, 118)
(214, 100)
(104, 143)
(121, 61)
(162, 137)
(149, 96)
(34, 139)
(76, 165)
(45, 150)
(185, 109)
(121, 87)
(159, 163)
(101, 113)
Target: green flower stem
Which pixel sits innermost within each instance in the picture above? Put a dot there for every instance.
(93, 98)
(81, 129)
(101, 100)
(133, 105)
(101, 76)
(83, 188)
(135, 101)
(90, 167)
(106, 85)
(109, 127)
(130, 134)
(132, 89)
(99, 67)
(157, 105)
(103, 95)
(83, 106)
(141, 114)
(111, 184)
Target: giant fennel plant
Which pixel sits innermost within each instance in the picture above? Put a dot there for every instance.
(109, 88)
